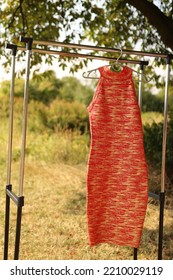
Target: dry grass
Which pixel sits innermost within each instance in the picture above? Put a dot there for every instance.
(54, 219)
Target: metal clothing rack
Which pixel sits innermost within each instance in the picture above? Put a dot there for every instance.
(19, 200)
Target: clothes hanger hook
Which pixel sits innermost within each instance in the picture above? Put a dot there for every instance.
(121, 52)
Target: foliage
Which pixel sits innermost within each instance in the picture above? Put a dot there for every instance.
(53, 104)
(46, 20)
(72, 90)
(148, 118)
(161, 96)
(153, 142)
(43, 87)
(153, 135)
(148, 24)
(46, 87)
(151, 102)
(62, 115)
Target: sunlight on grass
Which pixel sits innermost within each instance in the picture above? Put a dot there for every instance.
(150, 117)
(54, 219)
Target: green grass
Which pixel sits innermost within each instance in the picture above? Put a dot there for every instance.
(54, 222)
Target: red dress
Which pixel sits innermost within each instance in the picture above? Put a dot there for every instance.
(117, 178)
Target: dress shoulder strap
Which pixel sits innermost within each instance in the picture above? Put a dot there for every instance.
(101, 70)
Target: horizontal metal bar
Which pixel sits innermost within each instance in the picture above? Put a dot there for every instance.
(153, 195)
(104, 49)
(18, 200)
(81, 55)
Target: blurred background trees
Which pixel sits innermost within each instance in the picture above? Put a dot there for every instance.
(61, 103)
(147, 24)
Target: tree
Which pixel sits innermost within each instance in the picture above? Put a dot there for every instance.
(110, 23)
(128, 22)
(72, 90)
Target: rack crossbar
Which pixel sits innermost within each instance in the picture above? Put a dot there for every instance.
(17, 199)
(81, 55)
(104, 49)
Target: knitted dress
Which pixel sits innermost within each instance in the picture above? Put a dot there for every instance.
(117, 179)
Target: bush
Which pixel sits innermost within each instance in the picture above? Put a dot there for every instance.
(153, 142)
(36, 116)
(153, 135)
(44, 87)
(73, 90)
(62, 115)
(152, 103)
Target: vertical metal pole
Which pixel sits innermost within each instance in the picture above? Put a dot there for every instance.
(22, 158)
(161, 218)
(9, 161)
(135, 256)
(18, 227)
(18, 231)
(162, 193)
(165, 125)
(7, 222)
(140, 86)
(10, 136)
(24, 126)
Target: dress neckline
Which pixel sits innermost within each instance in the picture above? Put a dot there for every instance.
(116, 73)
(124, 74)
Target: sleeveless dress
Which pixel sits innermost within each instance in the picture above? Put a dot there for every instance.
(117, 178)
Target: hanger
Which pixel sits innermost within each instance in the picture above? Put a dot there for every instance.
(87, 75)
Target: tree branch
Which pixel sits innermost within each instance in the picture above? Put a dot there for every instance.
(19, 7)
(23, 17)
(156, 18)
